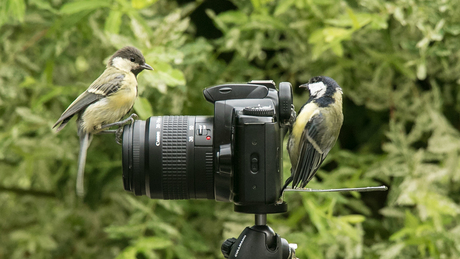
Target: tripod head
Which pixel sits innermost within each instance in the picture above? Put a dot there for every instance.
(258, 242)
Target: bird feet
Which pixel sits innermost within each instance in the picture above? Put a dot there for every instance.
(118, 132)
(293, 115)
(120, 123)
(118, 135)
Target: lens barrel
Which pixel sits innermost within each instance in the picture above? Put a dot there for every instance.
(169, 157)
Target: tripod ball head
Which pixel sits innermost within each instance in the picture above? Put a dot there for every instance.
(259, 241)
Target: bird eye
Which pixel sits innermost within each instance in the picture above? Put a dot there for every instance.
(132, 59)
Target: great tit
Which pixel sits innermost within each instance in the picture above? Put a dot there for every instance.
(315, 129)
(105, 102)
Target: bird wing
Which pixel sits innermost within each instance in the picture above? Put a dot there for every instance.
(105, 85)
(312, 151)
(109, 82)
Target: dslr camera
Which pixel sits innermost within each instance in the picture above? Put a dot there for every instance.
(233, 156)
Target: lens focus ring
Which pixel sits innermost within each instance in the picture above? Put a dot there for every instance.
(174, 165)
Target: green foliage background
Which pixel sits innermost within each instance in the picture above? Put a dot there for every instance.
(397, 61)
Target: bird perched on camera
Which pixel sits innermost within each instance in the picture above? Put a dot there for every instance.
(315, 129)
(105, 102)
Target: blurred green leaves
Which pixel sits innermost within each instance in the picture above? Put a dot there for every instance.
(140, 4)
(143, 108)
(12, 11)
(83, 5)
(396, 61)
(113, 22)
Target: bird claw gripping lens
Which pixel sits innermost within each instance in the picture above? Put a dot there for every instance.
(118, 135)
(118, 132)
(121, 123)
(293, 115)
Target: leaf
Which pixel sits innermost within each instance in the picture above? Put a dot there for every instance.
(233, 17)
(143, 108)
(27, 115)
(17, 8)
(113, 22)
(266, 22)
(45, 5)
(47, 97)
(140, 29)
(177, 77)
(421, 70)
(85, 5)
(219, 24)
(337, 49)
(443, 144)
(173, 207)
(354, 19)
(392, 251)
(124, 231)
(411, 221)
(256, 4)
(152, 243)
(140, 4)
(69, 21)
(163, 54)
(128, 253)
(391, 212)
(81, 64)
(283, 6)
(144, 245)
(331, 34)
(353, 219)
(171, 76)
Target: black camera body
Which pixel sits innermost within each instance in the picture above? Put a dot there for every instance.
(235, 156)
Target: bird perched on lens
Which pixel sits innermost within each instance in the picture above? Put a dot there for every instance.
(315, 130)
(110, 97)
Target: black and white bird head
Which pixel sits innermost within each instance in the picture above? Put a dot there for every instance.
(322, 86)
(129, 59)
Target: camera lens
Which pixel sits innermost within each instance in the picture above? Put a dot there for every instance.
(169, 157)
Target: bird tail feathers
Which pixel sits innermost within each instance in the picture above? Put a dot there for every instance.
(85, 140)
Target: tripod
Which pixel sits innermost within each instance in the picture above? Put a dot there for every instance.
(258, 242)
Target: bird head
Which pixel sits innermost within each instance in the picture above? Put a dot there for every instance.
(320, 86)
(129, 59)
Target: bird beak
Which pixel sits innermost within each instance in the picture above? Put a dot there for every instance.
(304, 86)
(146, 66)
